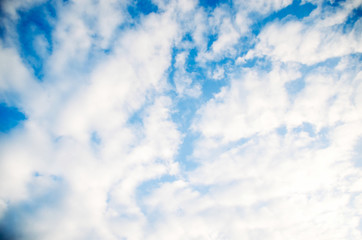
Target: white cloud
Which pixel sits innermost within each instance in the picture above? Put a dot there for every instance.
(96, 158)
(184, 84)
(17, 84)
(219, 73)
(97, 181)
(309, 41)
(267, 177)
(262, 6)
(253, 104)
(227, 38)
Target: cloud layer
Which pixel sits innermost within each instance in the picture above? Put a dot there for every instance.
(181, 119)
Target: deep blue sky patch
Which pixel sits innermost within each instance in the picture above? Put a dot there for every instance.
(333, 3)
(33, 24)
(191, 65)
(10, 117)
(294, 10)
(353, 17)
(212, 3)
(142, 7)
(211, 39)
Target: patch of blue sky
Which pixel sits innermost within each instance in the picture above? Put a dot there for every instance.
(183, 114)
(322, 66)
(294, 10)
(141, 7)
(320, 138)
(95, 55)
(331, 6)
(323, 138)
(357, 56)
(202, 189)
(329, 63)
(353, 17)
(53, 178)
(185, 108)
(107, 51)
(236, 143)
(333, 3)
(131, 21)
(171, 70)
(282, 130)
(294, 87)
(34, 25)
(136, 117)
(226, 61)
(37, 174)
(148, 187)
(262, 63)
(211, 87)
(10, 117)
(212, 4)
(190, 163)
(306, 127)
(2, 23)
(191, 64)
(2, 31)
(246, 42)
(184, 156)
(95, 138)
(199, 73)
(187, 37)
(95, 143)
(211, 39)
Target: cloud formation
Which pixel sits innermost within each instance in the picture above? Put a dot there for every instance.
(181, 119)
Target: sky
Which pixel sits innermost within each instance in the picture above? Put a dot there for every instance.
(180, 119)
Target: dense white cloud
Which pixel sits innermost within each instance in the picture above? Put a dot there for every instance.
(252, 105)
(15, 77)
(78, 140)
(260, 7)
(275, 152)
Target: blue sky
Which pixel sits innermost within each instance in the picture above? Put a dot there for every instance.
(180, 119)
